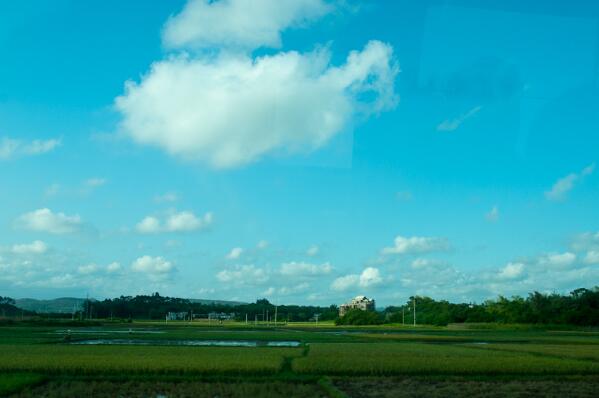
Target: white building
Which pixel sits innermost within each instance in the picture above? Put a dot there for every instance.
(359, 302)
(177, 316)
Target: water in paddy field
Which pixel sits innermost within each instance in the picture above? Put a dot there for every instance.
(197, 343)
(104, 331)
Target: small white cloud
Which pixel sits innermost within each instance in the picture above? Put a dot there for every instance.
(369, 277)
(92, 184)
(168, 197)
(235, 253)
(557, 260)
(184, 221)
(588, 170)
(58, 281)
(113, 267)
(454, 124)
(560, 189)
(345, 282)
(313, 250)
(206, 290)
(404, 196)
(286, 290)
(424, 263)
(511, 271)
(243, 275)
(417, 244)
(493, 214)
(149, 225)
(38, 147)
(263, 244)
(12, 148)
(87, 269)
(35, 247)
(238, 23)
(95, 182)
(592, 257)
(305, 269)
(152, 265)
(586, 241)
(52, 190)
(8, 148)
(173, 243)
(44, 220)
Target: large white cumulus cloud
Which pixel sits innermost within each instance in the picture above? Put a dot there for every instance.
(232, 110)
(238, 23)
(212, 100)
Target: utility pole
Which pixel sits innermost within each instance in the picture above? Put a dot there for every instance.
(276, 309)
(255, 319)
(414, 310)
(267, 319)
(403, 315)
(246, 318)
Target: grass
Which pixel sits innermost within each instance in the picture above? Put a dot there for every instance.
(53, 359)
(100, 389)
(576, 351)
(486, 337)
(11, 382)
(33, 335)
(390, 387)
(418, 358)
(368, 352)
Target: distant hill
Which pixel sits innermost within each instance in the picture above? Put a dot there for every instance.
(9, 310)
(219, 302)
(67, 304)
(64, 305)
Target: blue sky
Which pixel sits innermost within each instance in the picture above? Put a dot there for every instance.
(303, 151)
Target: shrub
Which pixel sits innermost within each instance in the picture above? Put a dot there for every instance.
(360, 317)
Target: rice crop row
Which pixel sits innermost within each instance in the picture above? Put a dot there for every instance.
(420, 358)
(411, 387)
(134, 359)
(490, 337)
(576, 351)
(10, 382)
(105, 389)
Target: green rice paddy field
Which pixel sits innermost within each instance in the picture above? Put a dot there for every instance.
(237, 360)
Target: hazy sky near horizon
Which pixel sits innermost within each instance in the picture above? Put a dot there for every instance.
(305, 151)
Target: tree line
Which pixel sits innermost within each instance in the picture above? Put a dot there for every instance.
(156, 307)
(579, 307)
(8, 308)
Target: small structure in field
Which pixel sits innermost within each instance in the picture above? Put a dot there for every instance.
(359, 302)
(177, 316)
(221, 316)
